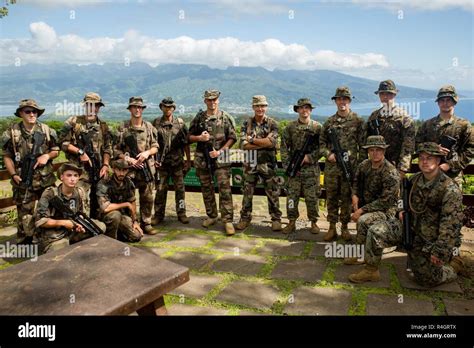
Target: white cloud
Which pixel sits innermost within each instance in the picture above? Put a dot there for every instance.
(45, 46)
(429, 5)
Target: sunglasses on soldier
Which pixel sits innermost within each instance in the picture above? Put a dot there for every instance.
(30, 111)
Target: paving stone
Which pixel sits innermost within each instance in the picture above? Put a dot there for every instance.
(407, 282)
(256, 230)
(389, 305)
(157, 251)
(459, 307)
(183, 309)
(8, 231)
(155, 237)
(319, 249)
(319, 301)
(251, 313)
(283, 248)
(253, 295)
(307, 270)
(342, 273)
(394, 257)
(198, 286)
(191, 259)
(235, 245)
(239, 264)
(190, 240)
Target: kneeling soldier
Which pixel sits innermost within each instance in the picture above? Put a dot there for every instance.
(51, 223)
(117, 204)
(435, 213)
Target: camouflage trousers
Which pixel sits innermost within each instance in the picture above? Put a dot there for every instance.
(177, 174)
(307, 187)
(338, 196)
(120, 226)
(272, 190)
(384, 234)
(225, 193)
(52, 238)
(25, 212)
(366, 221)
(145, 191)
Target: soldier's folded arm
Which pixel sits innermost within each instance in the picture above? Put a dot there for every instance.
(465, 153)
(388, 199)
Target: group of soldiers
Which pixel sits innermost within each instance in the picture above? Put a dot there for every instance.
(365, 163)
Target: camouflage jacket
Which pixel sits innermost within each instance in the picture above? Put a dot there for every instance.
(44, 211)
(17, 143)
(293, 138)
(110, 191)
(266, 157)
(73, 132)
(436, 207)
(456, 127)
(351, 138)
(171, 137)
(220, 128)
(145, 136)
(398, 129)
(377, 189)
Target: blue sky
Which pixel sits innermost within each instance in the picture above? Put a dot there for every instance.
(432, 44)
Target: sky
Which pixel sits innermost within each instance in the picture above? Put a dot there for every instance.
(417, 43)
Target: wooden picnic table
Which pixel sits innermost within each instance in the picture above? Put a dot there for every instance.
(97, 276)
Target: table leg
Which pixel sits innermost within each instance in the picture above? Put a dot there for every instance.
(155, 308)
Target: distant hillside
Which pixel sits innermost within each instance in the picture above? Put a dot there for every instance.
(51, 84)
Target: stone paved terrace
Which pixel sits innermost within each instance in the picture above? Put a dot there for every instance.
(259, 272)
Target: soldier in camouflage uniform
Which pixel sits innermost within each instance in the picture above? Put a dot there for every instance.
(173, 143)
(375, 190)
(395, 125)
(260, 135)
(214, 128)
(449, 124)
(72, 139)
(17, 143)
(117, 204)
(142, 165)
(435, 209)
(51, 225)
(349, 129)
(306, 183)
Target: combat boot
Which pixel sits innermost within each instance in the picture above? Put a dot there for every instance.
(368, 274)
(276, 225)
(242, 225)
(314, 227)
(290, 228)
(457, 264)
(353, 261)
(332, 233)
(183, 219)
(229, 228)
(345, 234)
(156, 220)
(148, 229)
(209, 222)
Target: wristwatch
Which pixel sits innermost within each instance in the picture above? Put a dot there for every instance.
(80, 152)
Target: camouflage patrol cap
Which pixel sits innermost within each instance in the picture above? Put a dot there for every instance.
(120, 164)
(168, 101)
(302, 102)
(342, 91)
(387, 86)
(211, 94)
(28, 103)
(92, 98)
(447, 91)
(375, 141)
(259, 100)
(69, 166)
(136, 101)
(430, 148)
